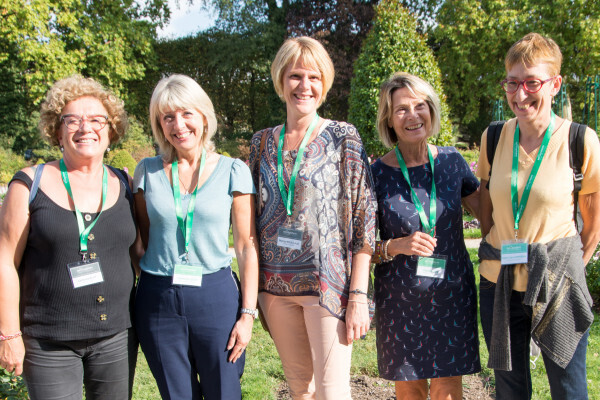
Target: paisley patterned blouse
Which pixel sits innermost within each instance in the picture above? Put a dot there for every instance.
(334, 207)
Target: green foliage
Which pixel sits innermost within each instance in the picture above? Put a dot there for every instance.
(593, 276)
(12, 387)
(392, 45)
(137, 142)
(122, 159)
(474, 37)
(10, 163)
(42, 41)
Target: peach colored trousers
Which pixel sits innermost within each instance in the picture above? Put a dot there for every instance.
(312, 345)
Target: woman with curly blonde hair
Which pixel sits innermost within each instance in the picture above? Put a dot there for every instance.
(66, 281)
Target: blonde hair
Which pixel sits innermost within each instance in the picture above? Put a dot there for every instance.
(178, 92)
(311, 53)
(70, 89)
(419, 88)
(533, 49)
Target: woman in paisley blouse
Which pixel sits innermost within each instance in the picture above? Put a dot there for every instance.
(315, 221)
(424, 284)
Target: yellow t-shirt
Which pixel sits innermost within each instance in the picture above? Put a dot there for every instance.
(549, 211)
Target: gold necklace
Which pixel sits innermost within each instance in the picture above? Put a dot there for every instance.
(292, 148)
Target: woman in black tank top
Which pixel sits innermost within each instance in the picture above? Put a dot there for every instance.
(66, 280)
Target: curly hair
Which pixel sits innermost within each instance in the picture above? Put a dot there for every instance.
(72, 88)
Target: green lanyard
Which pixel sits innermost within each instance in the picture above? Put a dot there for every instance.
(186, 227)
(83, 231)
(514, 193)
(428, 226)
(288, 197)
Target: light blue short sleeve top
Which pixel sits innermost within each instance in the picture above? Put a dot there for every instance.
(209, 243)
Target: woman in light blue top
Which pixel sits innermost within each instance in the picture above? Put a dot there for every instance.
(192, 321)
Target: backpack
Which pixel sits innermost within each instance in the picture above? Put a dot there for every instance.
(576, 146)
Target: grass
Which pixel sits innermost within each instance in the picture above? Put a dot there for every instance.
(263, 373)
(472, 233)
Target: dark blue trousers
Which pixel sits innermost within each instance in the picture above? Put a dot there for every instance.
(183, 331)
(568, 383)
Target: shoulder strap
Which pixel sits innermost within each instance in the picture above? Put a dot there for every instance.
(493, 136)
(263, 140)
(124, 178)
(576, 147)
(37, 176)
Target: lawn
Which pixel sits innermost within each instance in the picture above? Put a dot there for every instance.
(263, 373)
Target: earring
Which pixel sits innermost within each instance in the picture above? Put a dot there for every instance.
(62, 149)
(107, 150)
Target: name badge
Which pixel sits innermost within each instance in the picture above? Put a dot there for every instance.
(187, 275)
(514, 252)
(432, 267)
(289, 237)
(85, 273)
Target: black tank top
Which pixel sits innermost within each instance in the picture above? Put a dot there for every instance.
(50, 307)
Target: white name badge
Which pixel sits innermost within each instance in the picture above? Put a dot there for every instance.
(289, 237)
(187, 275)
(432, 267)
(513, 252)
(85, 273)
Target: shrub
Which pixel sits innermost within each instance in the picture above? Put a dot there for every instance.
(10, 163)
(122, 159)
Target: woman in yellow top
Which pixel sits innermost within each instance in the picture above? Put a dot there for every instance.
(533, 260)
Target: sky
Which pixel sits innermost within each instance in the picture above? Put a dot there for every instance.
(186, 20)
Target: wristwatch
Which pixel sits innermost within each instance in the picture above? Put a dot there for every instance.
(250, 311)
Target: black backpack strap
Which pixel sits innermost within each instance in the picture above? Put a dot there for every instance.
(576, 146)
(493, 136)
(37, 176)
(124, 178)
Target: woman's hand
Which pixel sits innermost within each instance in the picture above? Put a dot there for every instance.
(12, 353)
(357, 318)
(357, 311)
(240, 337)
(417, 244)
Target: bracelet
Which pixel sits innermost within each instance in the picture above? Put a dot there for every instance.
(377, 252)
(386, 256)
(357, 291)
(253, 313)
(358, 302)
(16, 335)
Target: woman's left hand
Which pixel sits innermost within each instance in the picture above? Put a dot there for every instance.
(357, 319)
(240, 337)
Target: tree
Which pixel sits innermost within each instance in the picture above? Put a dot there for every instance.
(392, 45)
(42, 41)
(474, 37)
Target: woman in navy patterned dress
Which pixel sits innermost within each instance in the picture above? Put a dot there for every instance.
(425, 294)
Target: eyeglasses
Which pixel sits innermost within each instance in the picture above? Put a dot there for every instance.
(529, 85)
(73, 122)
